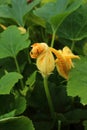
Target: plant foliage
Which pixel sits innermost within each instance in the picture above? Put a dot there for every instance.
(29, 100)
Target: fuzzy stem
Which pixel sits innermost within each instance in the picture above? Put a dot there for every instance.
(49, 97)
(59, 124)
(28, 56)
(53, 38)
(18, 70)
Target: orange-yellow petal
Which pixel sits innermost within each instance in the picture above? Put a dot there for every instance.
(37, 49)
(45, 63)
(68, 53)
(44, 58)
(60, 63)
(64, 60)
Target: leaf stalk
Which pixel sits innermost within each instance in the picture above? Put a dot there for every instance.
(18, 70)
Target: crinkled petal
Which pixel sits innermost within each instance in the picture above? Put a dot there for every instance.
(37, 49)
(45, 60)
(46, 63)
(64, 60)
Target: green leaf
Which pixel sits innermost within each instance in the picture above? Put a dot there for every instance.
(33, 19)
(85, 125)
(74, 26)
(5, 1)
(8, 81)
(17, 10)
(46, 1)
(85, 1)
(12, 41)
(8, 106)
(77, 83)
(29, 84)
(20, 105)
(76, 115)
(55, 12)
(31, 80)
(14, 105)
(10, 114)
(16, 123)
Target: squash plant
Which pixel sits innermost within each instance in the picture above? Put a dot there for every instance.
(34, 95)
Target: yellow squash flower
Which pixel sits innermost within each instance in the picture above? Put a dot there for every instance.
(45, 60)
(64, 60)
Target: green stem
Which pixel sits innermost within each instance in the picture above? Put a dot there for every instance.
(49, 97)
(53, 38)
(18, 70)
(59, 124)
(73, 45)
(29, 60)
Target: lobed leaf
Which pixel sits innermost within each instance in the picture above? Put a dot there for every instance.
(8, 81)
(74, 26)
(77, 83)
(55, 12)
(17, 10)
(12, 41)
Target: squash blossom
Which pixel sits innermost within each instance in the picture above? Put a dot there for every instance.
(45, 60)
(64, 60)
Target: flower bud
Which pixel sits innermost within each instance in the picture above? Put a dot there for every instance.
(45, 60)
(3, 27)
(23, 30)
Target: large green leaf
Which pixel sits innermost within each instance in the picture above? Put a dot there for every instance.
(55, 12)
(8, 81)
(85, 1)
(77, 83)
(17, 10)
(12, 41)
(16, 123)
(5, 1)
(74, 26)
